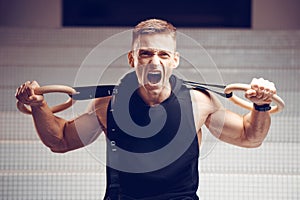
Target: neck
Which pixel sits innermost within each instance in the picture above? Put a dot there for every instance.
(154, 97)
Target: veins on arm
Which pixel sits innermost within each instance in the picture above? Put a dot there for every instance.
(246, 131)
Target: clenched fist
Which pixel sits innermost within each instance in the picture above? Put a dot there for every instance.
(261, 91)
(25, 94)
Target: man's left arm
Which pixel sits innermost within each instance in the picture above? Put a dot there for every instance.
(251, 129)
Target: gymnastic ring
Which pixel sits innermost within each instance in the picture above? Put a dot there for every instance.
(245, 104)
(51, 89)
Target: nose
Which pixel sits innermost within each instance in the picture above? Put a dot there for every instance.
(155, 60)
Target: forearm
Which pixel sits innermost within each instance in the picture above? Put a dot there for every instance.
(58, 134)
(256, 126)
(49, 127)
(61, 135)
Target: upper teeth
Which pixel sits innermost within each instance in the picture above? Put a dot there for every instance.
(154, 73)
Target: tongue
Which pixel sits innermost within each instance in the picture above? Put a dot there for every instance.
(154, 78)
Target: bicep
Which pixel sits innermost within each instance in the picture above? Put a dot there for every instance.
(226, 126)
(82, 130)
(222, 123)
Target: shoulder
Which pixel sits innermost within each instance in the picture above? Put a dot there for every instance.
(199, 96)
(204, 104)
(100, 106)
(204, 100)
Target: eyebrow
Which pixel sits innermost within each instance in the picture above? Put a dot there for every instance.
(156, 50)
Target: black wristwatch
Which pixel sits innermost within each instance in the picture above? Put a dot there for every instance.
(262, 108)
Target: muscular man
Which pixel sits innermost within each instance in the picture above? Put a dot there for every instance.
(167, 118)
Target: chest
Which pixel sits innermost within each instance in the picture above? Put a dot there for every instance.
(140, 128)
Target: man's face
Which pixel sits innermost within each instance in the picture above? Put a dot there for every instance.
(154, 59)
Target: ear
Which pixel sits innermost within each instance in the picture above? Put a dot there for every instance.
(176, 59)
(130, 59)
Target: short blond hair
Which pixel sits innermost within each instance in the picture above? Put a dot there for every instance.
(153, 26)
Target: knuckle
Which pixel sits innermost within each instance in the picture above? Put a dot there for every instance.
(34, 82)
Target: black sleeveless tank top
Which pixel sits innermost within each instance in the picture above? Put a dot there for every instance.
(152, 151)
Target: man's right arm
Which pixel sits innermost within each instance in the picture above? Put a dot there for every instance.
(58, 134)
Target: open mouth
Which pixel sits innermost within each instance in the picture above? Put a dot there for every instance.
(154, 77)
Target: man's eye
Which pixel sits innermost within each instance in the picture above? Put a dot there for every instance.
(145, 53)
(164, 54)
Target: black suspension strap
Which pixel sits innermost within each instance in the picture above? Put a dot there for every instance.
(204, 86)
(91, 92)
